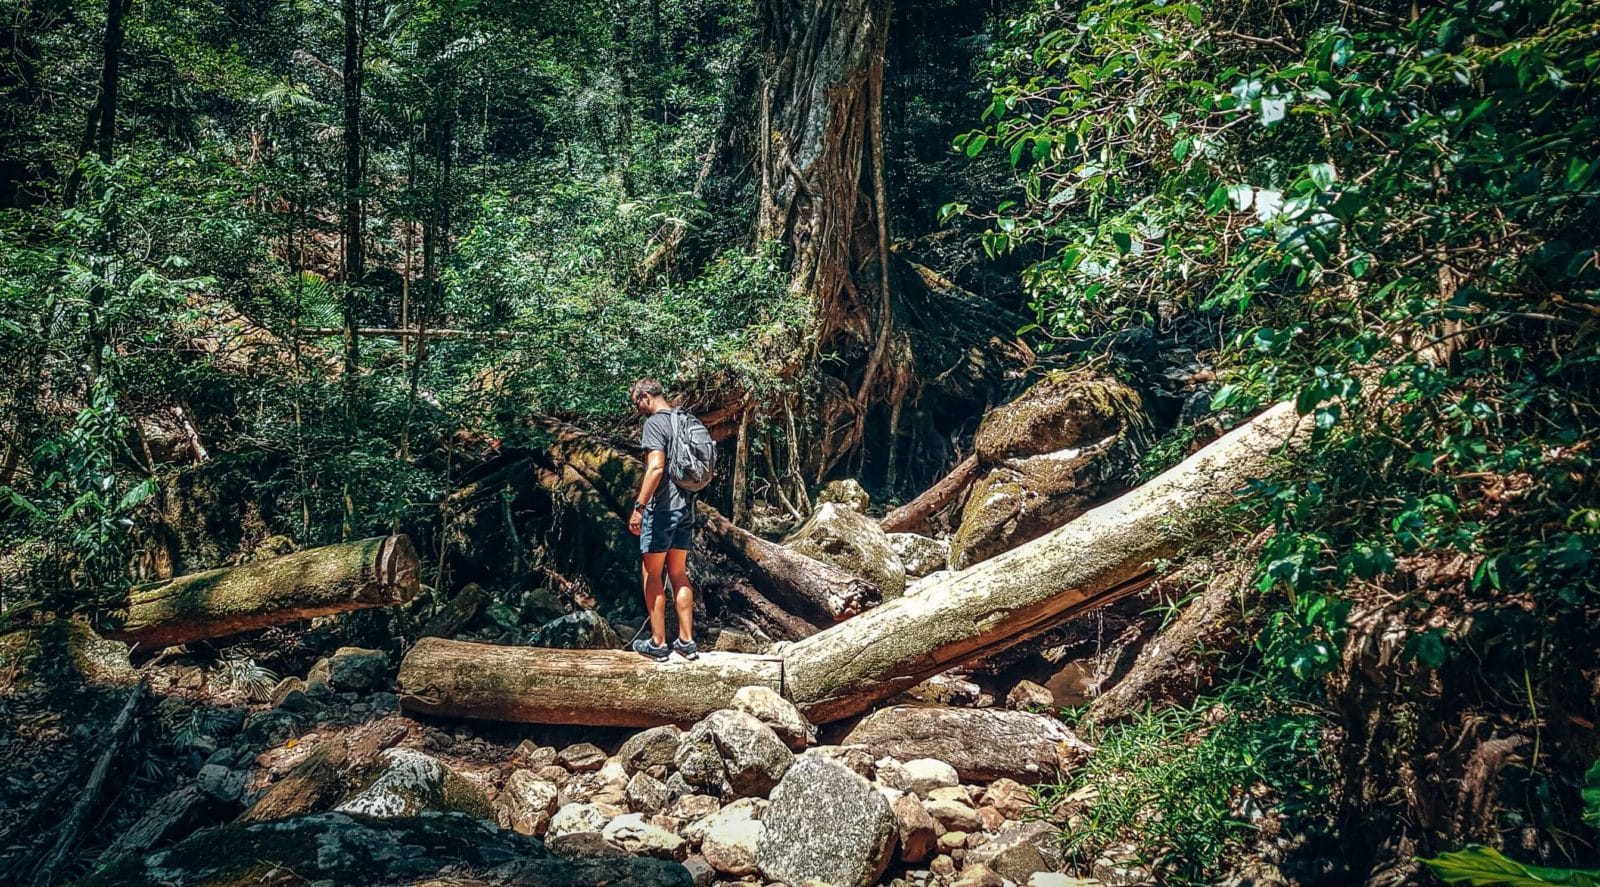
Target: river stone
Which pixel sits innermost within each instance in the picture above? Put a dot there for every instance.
(578, 818)
(955, 816)
(916, 828)
(646, 794)
(846, 492)
(920, 776)
(730, 839)
(526, 803)
(982, 744)
(854, 543)
(350, 670)
(1010, 797)
(1044, 458)
(1019, 850)
(826, 823)
(701, 871)
(920, 555)
(765, 705)
(750, 756)
(651, 751)
(690, 808)
(582, 757)
(631, 833)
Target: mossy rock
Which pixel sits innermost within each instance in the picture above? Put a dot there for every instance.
(61, 652)
(847, 492)
(1063, 411)
(1046, 458)
(845, 538)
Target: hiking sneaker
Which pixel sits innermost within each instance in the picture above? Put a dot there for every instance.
(686, 649)
(647, 647)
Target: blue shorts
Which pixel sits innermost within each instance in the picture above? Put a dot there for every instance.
(666, 528)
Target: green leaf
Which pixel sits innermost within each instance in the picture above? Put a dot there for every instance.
(1591, 795)
(976, 144)
(1123, 240)
(1486, 866)
(142, 491)
(1322, 175)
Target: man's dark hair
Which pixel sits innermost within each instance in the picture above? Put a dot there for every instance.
(645, 388)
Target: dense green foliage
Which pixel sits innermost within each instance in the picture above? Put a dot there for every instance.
(1389, 215)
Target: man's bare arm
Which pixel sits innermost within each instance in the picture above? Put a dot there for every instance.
(655, 466)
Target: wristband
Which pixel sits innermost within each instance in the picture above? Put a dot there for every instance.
(638, 506)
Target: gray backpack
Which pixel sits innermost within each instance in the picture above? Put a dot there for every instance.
(691, 453)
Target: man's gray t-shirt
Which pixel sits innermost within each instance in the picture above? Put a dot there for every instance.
(656, 435)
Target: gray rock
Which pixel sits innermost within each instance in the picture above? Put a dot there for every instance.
(622, 871)
(731, 838)
(290, 695)
(409, 783)
(1029, 696)
(646, 794)
(919, 776)
(920, 555)
(690, 808)
(651, 751)
(734, 749)
(858, 758)
(582, 757)
(526, 803)
(631, 833)
(271, 727)
(916, 828)
(221, 783)
(351, 669)
(766, 706)
(700, 870)
(578, 818)
(583, 845)
(854, 543)
(826, 823)
(583, 630)
(1019, 850)
(955, 816)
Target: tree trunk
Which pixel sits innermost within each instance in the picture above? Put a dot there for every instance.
(1100, 557)
(913, 515)
(591, 687)
(982, 744)
(334, 768)
(376, 572)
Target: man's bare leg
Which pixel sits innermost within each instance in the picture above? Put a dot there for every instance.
(655, 597)
(683, 593)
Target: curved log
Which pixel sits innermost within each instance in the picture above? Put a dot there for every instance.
(376, 572)
(911, 516)
(592, 687)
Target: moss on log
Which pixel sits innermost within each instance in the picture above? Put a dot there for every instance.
(594, 687)
(376, 572)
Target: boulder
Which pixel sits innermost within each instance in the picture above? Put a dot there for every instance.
(526, 803)
(583, 845)
(766, 706)
(582, 757)
(846, 492)
(920, 555)
(651, 751)
(578, 818)
(700, 871)
(410, 782)
(646, 794)
(691, 808)
(982, 744)
(1019, 850)
(587, 871)
(853, 542)
(954, 815)
(220, 783)
(1045, 458)
(917, 830)
(1029, 696)
(632, 833)
(338, 848)
(826, 823)
(583, 630)
(534, 756)
(733, 752)
(919, 776)
(351, 670)
(1010, 797)
(730, 838)
(290, 695)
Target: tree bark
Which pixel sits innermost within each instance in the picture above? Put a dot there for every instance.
(1095, 559)
(335, 767)
(914, 515)
(376, 572)
(591, 687)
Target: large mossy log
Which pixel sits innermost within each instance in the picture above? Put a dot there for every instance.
(844, 670)
(594, 687)
(376, 572)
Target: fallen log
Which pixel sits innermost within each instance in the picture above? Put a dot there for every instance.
(1104, 553)
(178, 810)
(1102, 556)
(376, 572)
(808, 588)
(913, 515)
(593, 687)
(458, 612)
(67, 835)
(332, 769)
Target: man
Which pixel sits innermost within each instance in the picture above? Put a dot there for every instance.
(662, 518)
